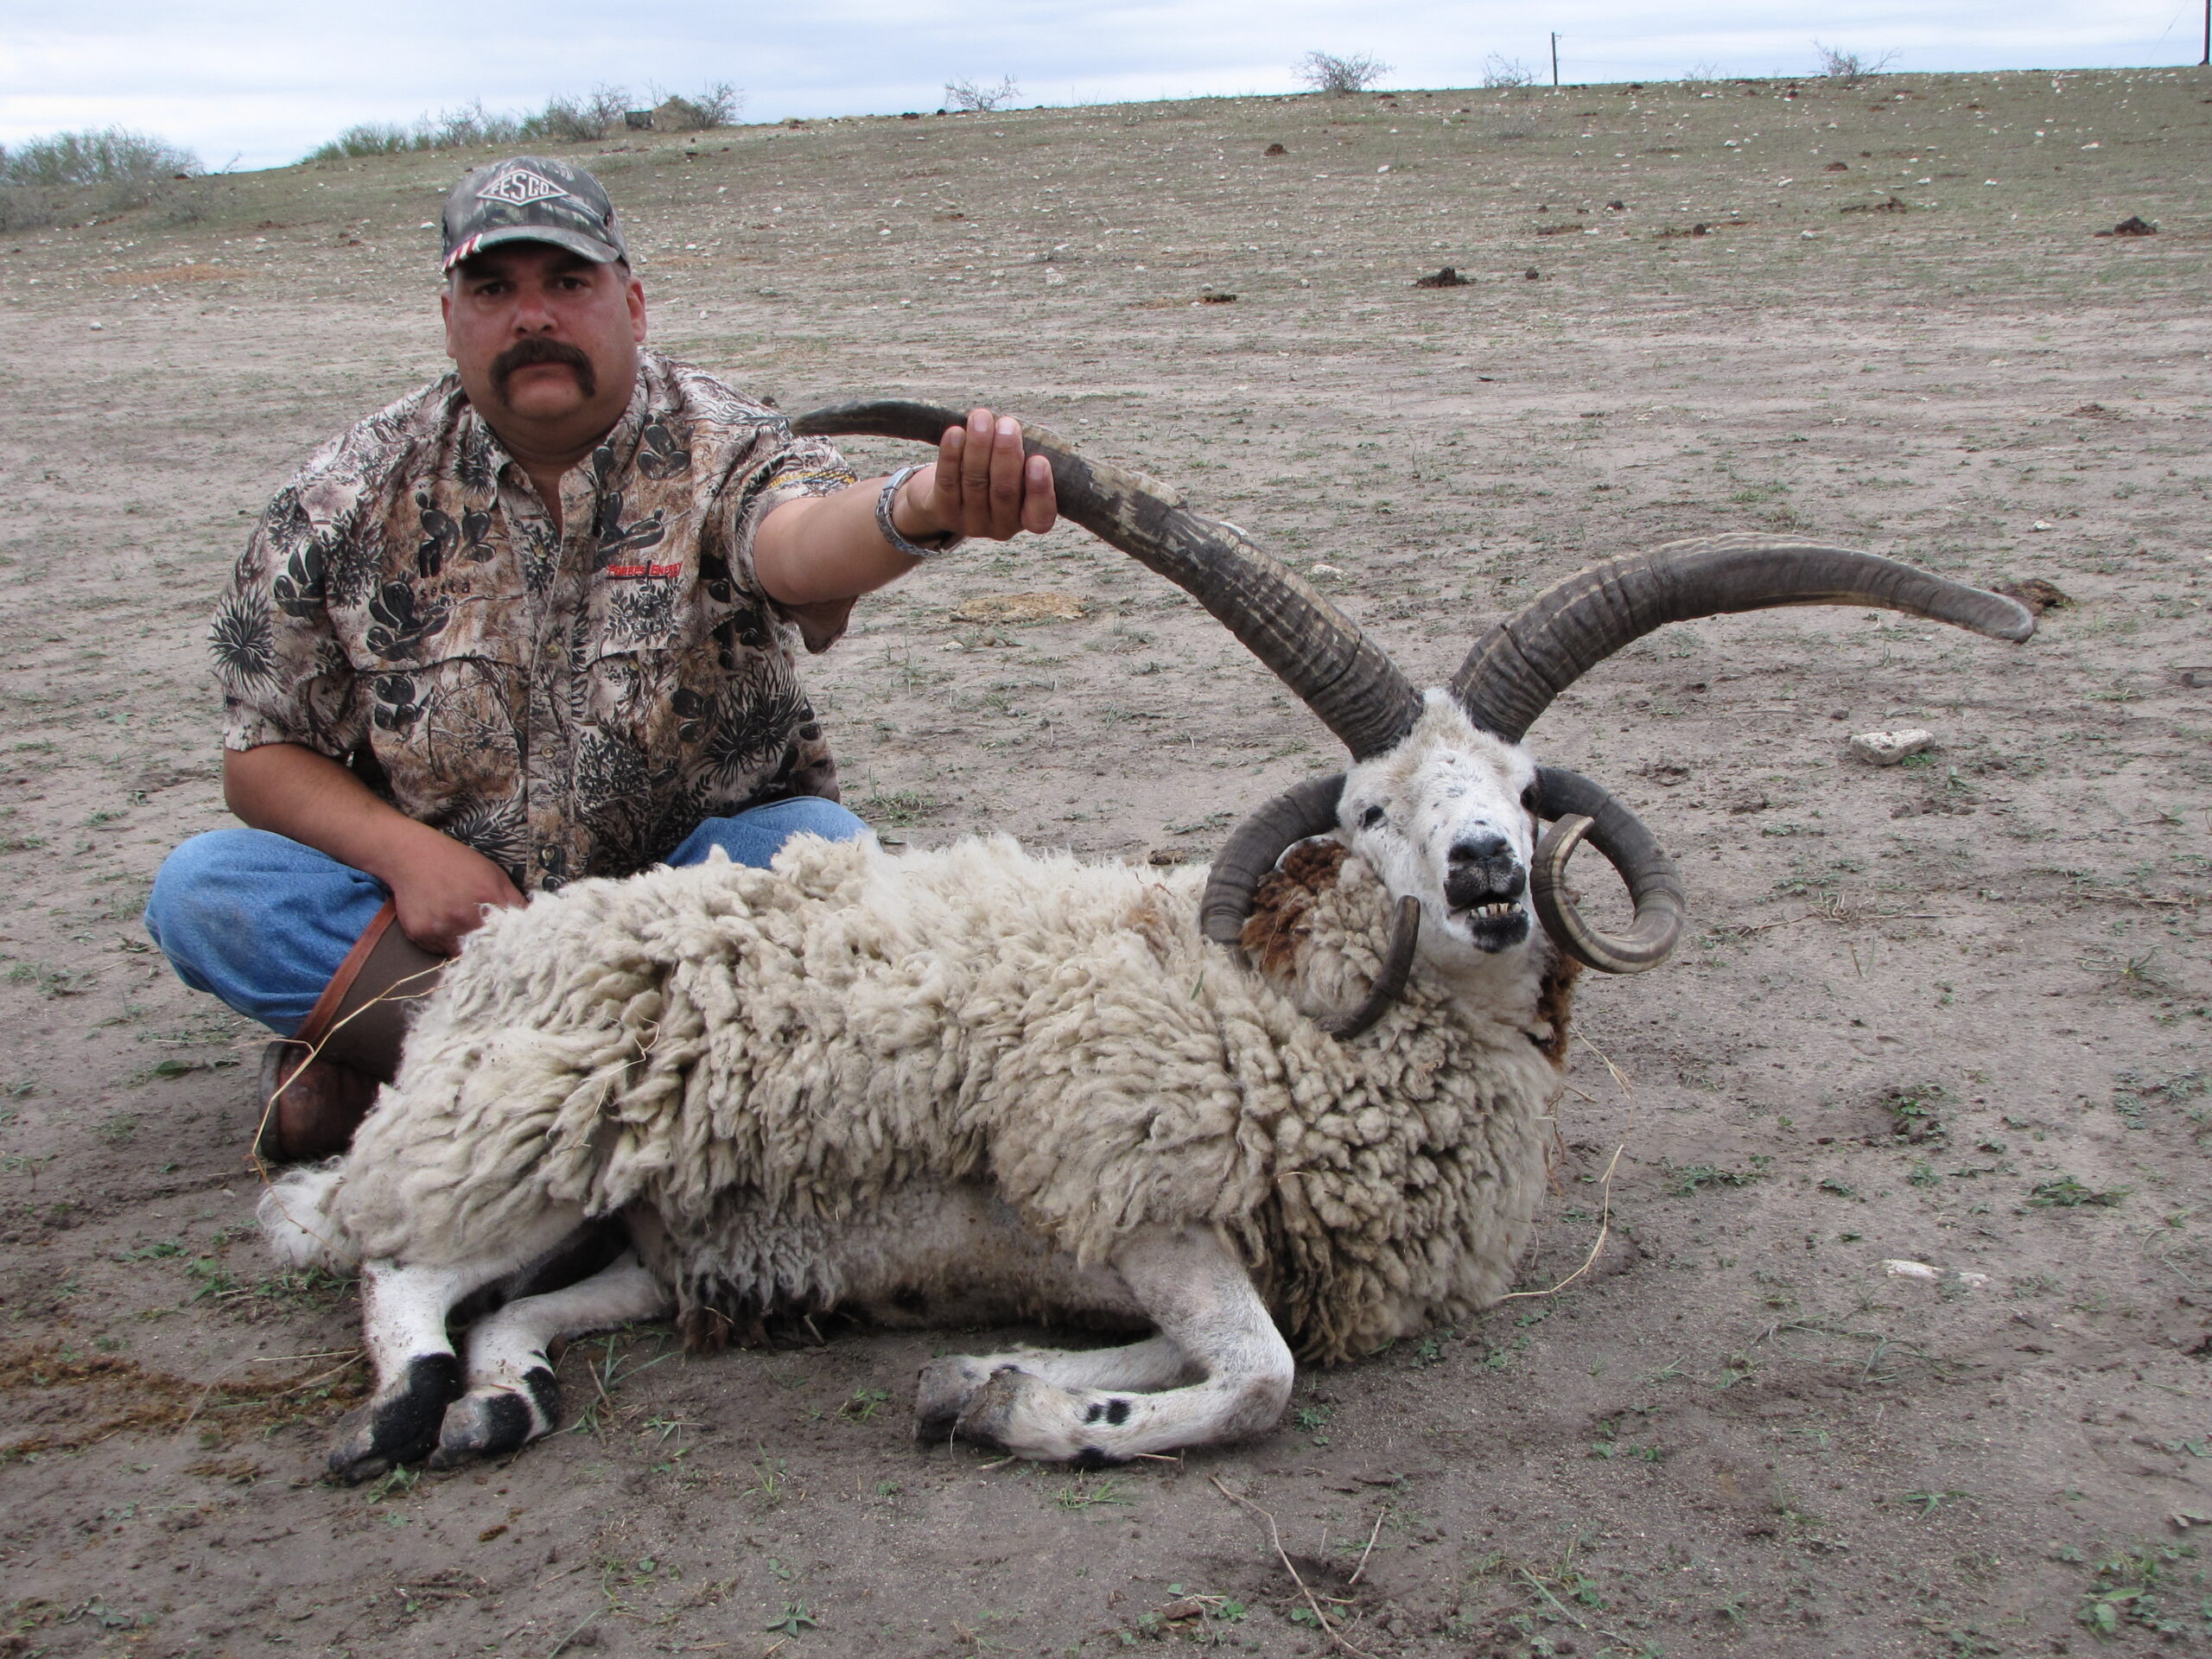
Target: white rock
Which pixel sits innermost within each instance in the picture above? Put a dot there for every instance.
(1887, 748)
(1899, 1268)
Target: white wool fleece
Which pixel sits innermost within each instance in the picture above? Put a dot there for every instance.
(723, 1045)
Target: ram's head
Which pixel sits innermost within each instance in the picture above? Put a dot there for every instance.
(1442, 798)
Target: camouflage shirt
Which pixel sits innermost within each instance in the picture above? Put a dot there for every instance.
(567, 702)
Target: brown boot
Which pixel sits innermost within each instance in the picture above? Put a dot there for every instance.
(317, 1084)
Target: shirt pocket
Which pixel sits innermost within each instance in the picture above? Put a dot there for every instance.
(453, 683)
(628, 686)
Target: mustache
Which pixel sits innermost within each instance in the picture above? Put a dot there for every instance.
(538, 349)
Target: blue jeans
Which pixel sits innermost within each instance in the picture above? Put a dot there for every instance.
(263, 922)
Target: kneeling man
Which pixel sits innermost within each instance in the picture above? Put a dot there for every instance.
(535, 621)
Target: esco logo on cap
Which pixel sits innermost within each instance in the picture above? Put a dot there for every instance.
(521, 187)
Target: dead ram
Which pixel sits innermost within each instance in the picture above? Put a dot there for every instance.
(1294, 1111)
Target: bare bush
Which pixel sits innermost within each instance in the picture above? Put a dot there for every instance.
(1506, 73)
(87, 174)
(1325, 71)
(715, 106)
(974, 96)
(468, 127)
(579, 120)
(1702, 71)
(1852, 68)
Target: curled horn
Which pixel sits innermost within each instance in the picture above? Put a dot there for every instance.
(1522, 663)
(1308, 809)
(1584, 810)
(1312, 647)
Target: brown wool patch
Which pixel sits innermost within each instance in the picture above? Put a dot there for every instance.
(1555, 1006)
(1277, 925)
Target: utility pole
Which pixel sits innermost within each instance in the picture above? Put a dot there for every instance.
(2207, 12)
(2205, 62)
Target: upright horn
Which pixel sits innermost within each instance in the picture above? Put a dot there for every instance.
(1522, 663)
(1312, 647)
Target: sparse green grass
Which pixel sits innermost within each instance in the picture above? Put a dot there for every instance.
(2064, 1193)
(1686, 1179)
(1087, 1492)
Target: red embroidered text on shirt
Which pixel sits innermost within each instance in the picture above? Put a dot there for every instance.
(635, 572)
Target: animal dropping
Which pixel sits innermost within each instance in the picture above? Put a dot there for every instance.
(1291, 1107)
(1019, 608)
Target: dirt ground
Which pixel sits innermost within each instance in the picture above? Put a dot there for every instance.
(1953, 1012)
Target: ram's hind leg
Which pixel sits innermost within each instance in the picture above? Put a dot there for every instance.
(511, 1398)
(949, 1386)
(1208, 1312)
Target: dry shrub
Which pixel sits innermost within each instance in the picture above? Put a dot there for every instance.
(88, 174)
(1325, 71)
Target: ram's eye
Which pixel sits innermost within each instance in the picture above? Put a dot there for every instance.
(1529, 797)
(1370, 818)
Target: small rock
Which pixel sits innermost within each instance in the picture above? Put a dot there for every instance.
(1920, 1270)
(1616, 206)
(2133, 225)
(1887, 748)
(1274, 149)
(97, 327)
(1162, 857)
(2042, 523)
(1448, 276)
(1533, 273)
(1217, 296)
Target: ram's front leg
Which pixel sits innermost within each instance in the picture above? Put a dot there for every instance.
(403, 1322)
(512, 1399)
(1196, 1291)
(404, 1312)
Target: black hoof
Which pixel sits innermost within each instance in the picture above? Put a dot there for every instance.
(493, 1422)
(400, 1427)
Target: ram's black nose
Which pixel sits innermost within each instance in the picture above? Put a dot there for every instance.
(1484, 870)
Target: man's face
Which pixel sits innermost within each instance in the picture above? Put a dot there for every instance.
(545, 340)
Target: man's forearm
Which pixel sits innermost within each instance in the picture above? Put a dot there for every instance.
(310, 798)
(440, 887)
(821, 548)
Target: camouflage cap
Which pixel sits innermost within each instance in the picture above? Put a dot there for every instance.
(532, 199)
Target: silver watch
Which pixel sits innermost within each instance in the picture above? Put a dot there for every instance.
(890, 493)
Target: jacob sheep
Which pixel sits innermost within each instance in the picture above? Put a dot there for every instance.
(1291, 1110)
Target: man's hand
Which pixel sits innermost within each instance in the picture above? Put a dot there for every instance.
(814, 556)
(980, 485)
(439, 886)
(441, 891)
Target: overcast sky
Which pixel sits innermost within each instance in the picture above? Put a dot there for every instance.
(265, 80)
